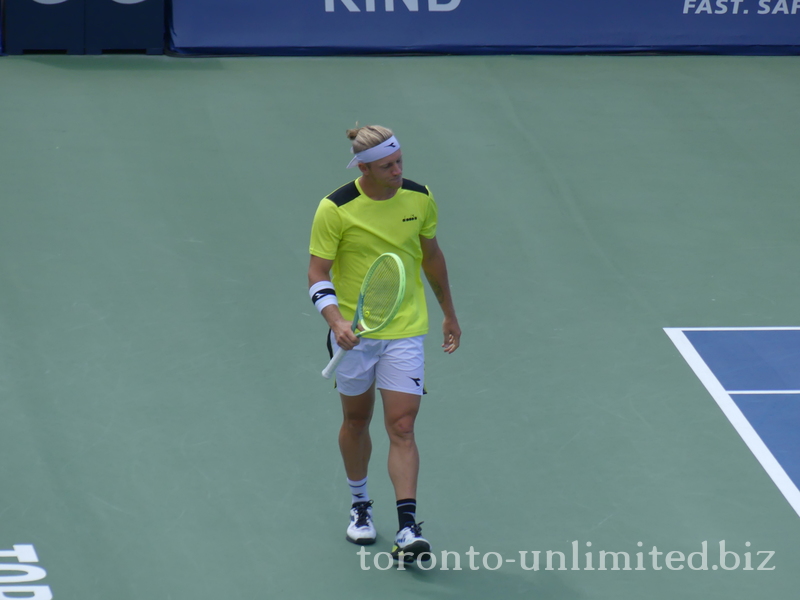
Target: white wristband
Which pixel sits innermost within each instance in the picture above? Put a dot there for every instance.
(323, 294)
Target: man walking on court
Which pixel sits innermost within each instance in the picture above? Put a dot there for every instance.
(380, 212)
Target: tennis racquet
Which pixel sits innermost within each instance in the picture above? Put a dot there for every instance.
(378, 301)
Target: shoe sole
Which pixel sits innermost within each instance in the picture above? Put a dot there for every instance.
(412, 551)
(360, 541)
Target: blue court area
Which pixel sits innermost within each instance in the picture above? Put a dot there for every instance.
(758, 370)
(747, 360)
(776, 418)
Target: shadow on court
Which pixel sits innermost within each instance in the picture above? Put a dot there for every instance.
(438, 584)
(116, 63)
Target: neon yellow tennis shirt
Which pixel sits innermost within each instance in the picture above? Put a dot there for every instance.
(352, 229)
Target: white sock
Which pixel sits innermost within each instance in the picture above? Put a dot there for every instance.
(358, 489)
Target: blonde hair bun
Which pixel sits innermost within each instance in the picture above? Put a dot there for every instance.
(367, 137)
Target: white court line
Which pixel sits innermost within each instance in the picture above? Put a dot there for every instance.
(733, 329)
(735, 416)
(763, 392)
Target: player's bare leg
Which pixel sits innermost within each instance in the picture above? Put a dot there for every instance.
(356, 447)
(355, 443)
(400, 412)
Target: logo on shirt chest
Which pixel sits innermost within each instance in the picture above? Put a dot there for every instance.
(411, 218)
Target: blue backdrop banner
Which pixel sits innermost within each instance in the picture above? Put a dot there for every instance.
(43, 25)
(484, 26)
(124, 25)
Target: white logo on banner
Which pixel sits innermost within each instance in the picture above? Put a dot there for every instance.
(128, 1)
(722, 7)
(411, 5)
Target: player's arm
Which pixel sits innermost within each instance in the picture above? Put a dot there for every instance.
(435, 269)
(319, 269)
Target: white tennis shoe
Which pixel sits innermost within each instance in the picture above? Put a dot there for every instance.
(361, 531)
(411, 545)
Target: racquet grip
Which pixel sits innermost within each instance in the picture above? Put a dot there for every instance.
(327, 372)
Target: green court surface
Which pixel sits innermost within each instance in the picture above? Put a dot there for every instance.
(165, 433)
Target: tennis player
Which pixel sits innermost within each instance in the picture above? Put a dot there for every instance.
(376, 213)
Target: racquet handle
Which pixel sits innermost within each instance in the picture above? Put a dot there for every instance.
(327, 372)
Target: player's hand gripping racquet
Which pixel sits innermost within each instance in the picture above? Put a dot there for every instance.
(378, 302)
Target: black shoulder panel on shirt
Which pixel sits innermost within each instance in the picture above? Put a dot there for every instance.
(344, 194)
(415, 187)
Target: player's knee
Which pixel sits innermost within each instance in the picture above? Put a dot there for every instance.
(402, 429)
(356, 424)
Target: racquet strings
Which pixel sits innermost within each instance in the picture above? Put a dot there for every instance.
(381, 293)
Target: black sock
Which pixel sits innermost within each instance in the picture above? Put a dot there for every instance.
(407, 512)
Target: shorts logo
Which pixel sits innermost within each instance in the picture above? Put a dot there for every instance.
(415, 380)
(411, 218)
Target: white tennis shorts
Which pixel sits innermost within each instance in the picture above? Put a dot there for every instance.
(395, 365)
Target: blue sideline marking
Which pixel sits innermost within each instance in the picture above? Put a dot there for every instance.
(754, 376)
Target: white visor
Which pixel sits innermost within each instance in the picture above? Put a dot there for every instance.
(378, 152)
